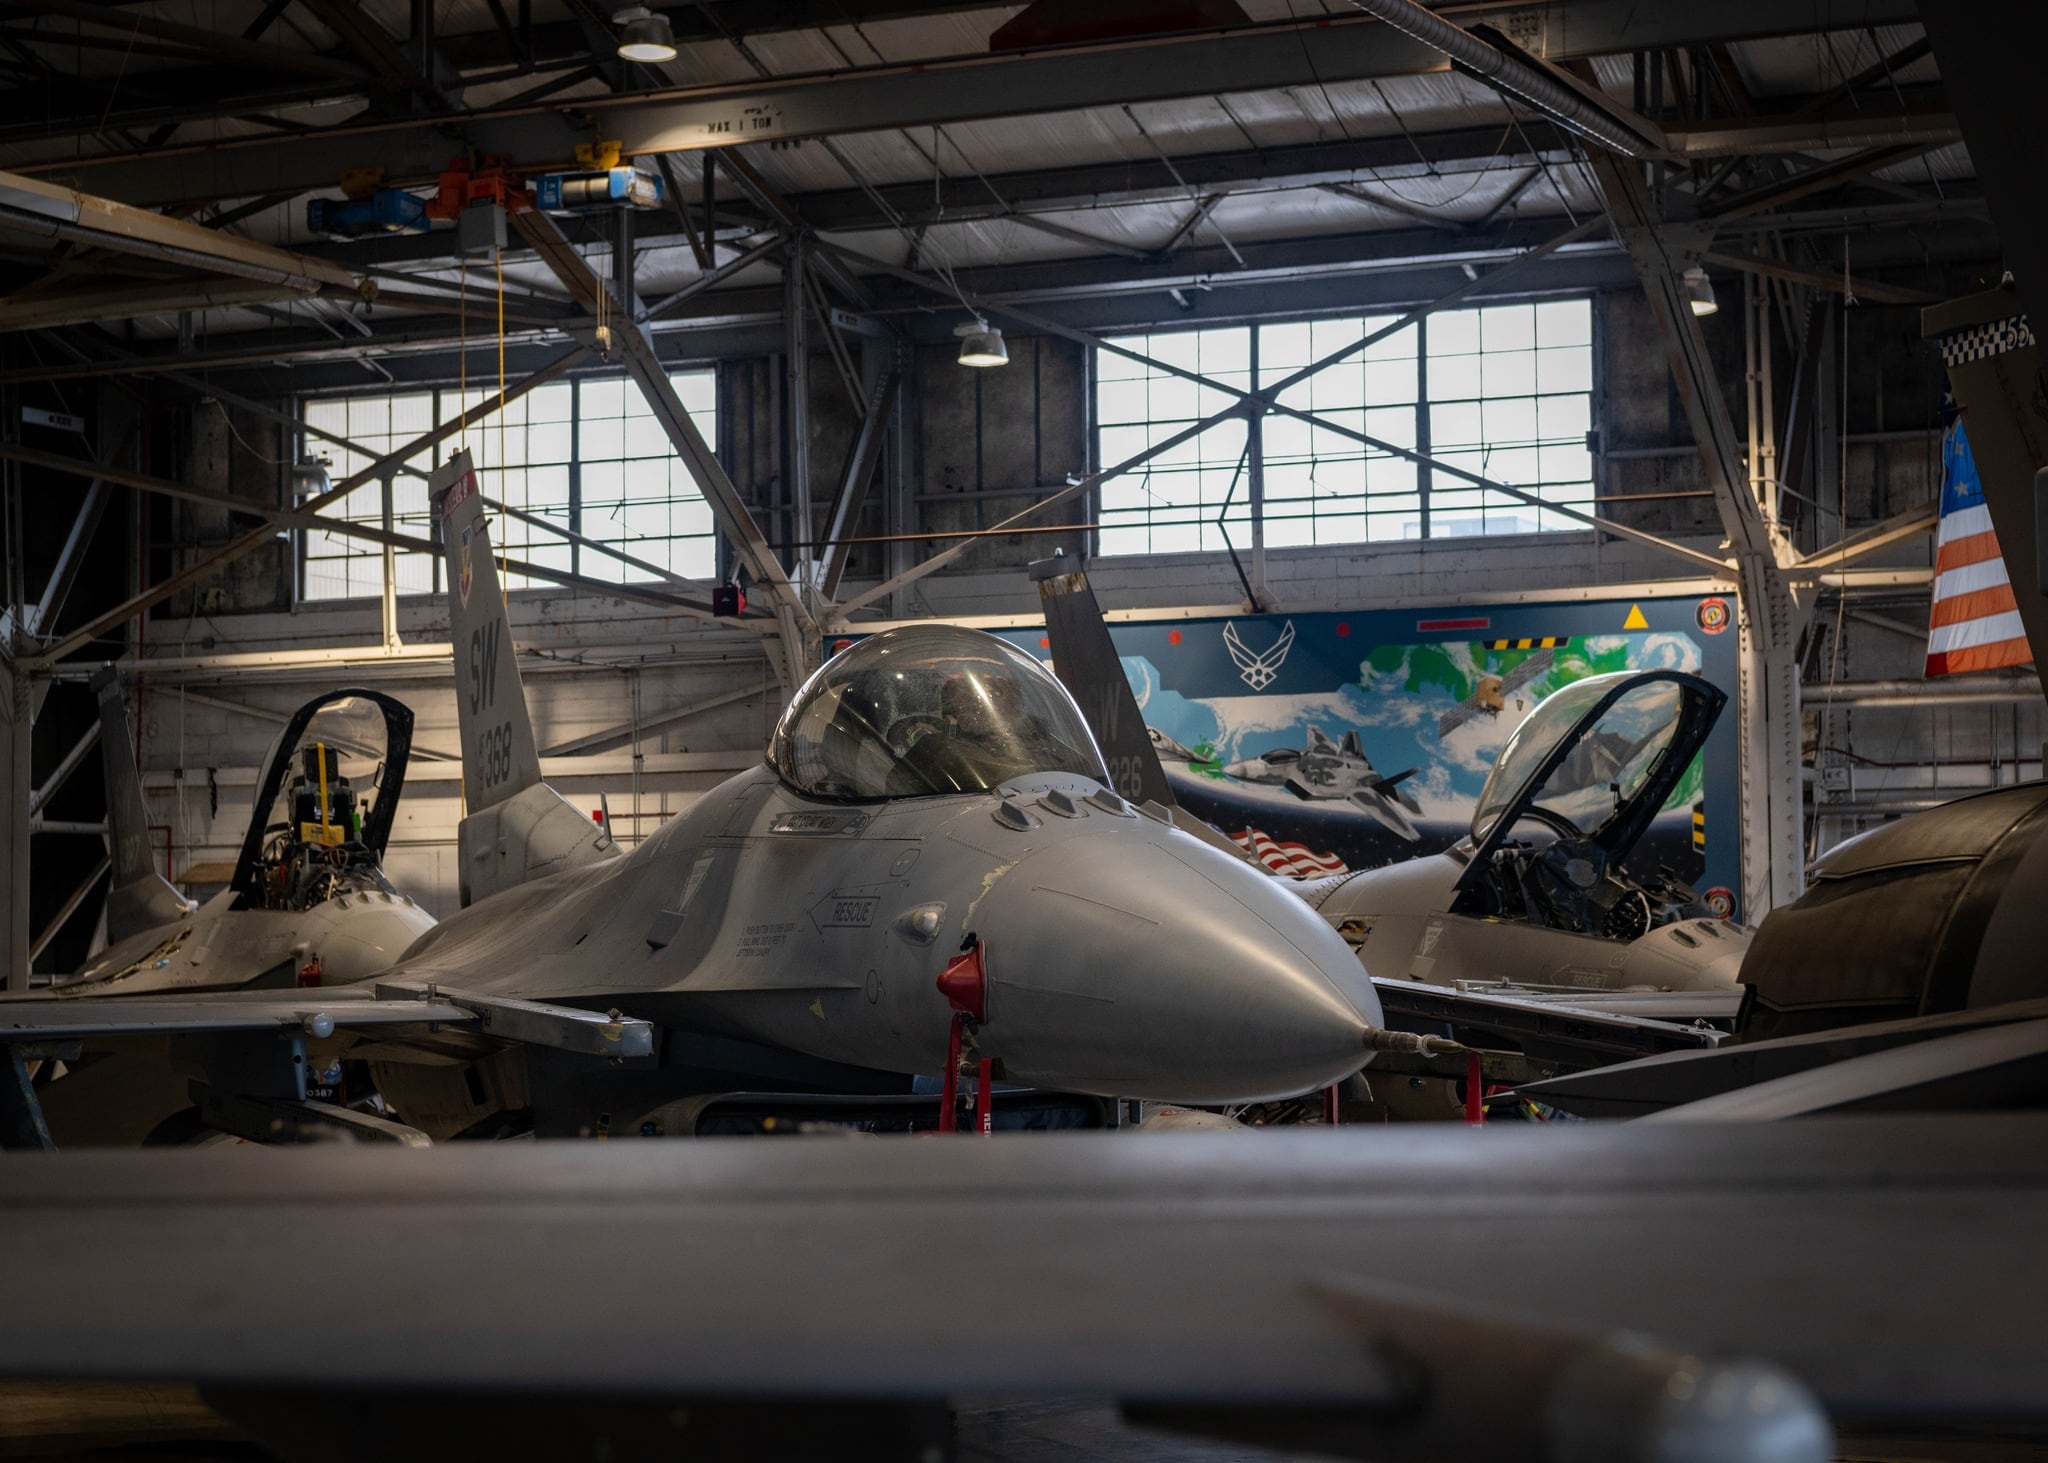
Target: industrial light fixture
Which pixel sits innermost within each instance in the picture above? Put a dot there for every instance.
(1699, 291)
(981, 344)
(643, 35)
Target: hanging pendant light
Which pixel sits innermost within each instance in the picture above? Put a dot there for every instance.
(981, 344)
(1699, 291)
(644, 36)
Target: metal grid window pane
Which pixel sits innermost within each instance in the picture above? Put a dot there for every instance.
(635, 495)
(1501, 391)
(1323, 487)
(1171, 504)
(340, 567)
(1510, 399)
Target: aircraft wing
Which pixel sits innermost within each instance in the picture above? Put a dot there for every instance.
(1386, 809)
(1654, 1084)
(320, 1012)
(1211, 1281)
(1295, 784)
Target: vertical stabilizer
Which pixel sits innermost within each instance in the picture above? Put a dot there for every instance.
(1085, 660)
(517, 828)
(499, 756)
(139, 897)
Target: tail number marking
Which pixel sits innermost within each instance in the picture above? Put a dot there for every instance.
(483, 666)
(494, 754)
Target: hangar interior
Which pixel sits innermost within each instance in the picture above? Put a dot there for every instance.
(1156, 223)
(1389, 644)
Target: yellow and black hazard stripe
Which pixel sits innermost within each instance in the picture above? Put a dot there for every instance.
(1527, 642)
(1699, 826)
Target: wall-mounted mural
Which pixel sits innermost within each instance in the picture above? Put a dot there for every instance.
(1345, 741)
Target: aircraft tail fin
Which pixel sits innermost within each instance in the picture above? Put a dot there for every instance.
(1319, 740)
(517, 828)
(1399, 777)
(499, 755)
(139, 897)
(1351, 746)
(1085, 660)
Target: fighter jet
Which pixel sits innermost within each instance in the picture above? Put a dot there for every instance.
(1491, 691)
(1540, 897)
(931, 800)
(1326, 770)
(1541, 893)
(931, 832)
(308, 904)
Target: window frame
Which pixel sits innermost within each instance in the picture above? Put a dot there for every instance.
(445, 398)
(1435, 493)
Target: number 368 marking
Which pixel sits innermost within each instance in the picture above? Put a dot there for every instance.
(494, 754)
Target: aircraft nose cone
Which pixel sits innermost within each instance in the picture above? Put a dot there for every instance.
(1146, 964)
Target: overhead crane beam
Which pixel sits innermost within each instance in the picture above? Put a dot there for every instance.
(1327, 50)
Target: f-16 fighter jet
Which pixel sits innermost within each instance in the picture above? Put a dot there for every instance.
(309, 903)
(931, 801)
(1335, 770)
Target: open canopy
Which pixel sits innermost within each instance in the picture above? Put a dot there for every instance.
(332, 780)
(1602, 755)
(925, 710)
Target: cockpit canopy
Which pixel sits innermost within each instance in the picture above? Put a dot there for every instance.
(926, 710)
(326, 800)
(1601, 752)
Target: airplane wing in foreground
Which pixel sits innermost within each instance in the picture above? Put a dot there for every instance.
(1421, 1292)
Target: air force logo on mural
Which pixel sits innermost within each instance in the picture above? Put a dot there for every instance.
(1259, 670)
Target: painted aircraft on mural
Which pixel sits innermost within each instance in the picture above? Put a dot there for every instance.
(1325, 770)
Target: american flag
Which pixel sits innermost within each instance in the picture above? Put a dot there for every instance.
(1976, 622)
(1296, 860)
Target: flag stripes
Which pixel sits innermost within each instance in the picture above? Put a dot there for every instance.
(1975, 623)
(1297, 860)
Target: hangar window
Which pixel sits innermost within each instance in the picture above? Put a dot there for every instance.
(587, 455)
(1503, 392)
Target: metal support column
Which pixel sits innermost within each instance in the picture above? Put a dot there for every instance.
(796, 426)
(390, 596)
(1255, 486)
(1773, 862)
(15, 717)
(899, 482)
(15, 741)
(884, 373)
